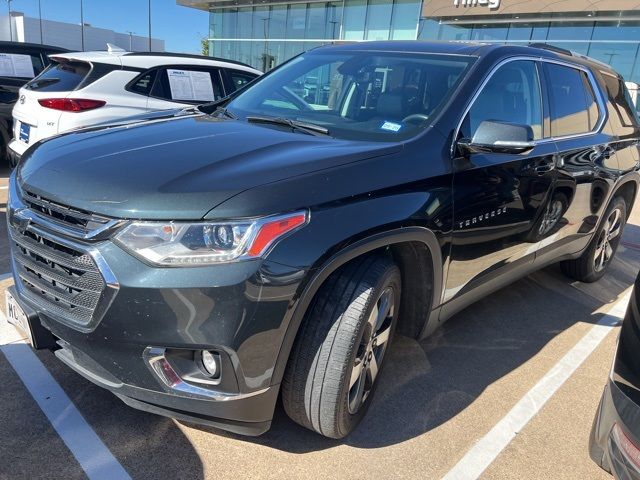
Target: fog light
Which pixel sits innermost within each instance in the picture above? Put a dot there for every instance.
(209, 363)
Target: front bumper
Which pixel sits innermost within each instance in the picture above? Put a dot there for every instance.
(14, 156)
(239, 310)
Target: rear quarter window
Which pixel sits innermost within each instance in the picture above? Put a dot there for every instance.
(60, 77)
(622, 113)
(144, 83)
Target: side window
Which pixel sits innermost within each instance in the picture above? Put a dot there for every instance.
(188, 84)
(574, 109)
(240, 79)
(143, 83)
(18, 65)
(512, 95)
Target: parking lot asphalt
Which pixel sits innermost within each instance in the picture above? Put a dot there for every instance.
(438, 400)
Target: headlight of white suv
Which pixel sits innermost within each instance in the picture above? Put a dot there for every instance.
(205, 243)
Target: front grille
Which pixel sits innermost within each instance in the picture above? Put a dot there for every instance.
(80, 220)
(63, 280)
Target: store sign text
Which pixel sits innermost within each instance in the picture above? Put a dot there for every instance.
(492, 4)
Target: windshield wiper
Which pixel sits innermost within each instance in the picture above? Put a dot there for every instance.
(223, 111)
(305, 127)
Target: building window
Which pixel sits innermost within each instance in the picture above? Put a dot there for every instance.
(355, 14)
(404, 19)
(378, 19)
(563, 33)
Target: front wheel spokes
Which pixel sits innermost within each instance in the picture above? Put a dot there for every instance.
(371, 350)
(357, 386)
(615, 225)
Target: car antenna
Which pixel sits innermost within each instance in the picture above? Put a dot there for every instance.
(111, 48)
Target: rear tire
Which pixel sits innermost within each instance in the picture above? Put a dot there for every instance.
(595, 261)
(337, 358)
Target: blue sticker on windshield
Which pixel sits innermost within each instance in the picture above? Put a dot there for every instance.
(391, 127)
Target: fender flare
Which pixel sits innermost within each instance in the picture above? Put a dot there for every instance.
(356, 249)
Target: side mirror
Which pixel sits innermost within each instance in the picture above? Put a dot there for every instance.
(499, 137)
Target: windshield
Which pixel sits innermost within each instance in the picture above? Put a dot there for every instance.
(360, 95)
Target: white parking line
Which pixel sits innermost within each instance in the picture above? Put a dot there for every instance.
(4, 187)
(485, 451)
(92, 454)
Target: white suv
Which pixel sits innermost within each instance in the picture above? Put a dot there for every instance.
(87, 88)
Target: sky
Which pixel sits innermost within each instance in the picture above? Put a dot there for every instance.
(180, 27)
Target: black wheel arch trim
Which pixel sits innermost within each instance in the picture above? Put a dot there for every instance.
(630, 177)
(361, 247)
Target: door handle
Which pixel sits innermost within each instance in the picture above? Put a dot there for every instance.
(544, 167)
(608, 152)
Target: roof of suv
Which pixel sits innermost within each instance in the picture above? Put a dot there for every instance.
(471, 48)
(149, 60)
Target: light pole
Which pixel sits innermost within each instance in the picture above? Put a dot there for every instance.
(149, 25)
(82, 23)
(40, 15)
(10, 23)
(130, 40)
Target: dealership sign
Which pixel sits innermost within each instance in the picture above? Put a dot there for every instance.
(491, 4)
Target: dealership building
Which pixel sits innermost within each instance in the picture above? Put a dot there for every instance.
(264, 33)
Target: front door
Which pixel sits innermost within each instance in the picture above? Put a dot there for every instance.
(500, 195)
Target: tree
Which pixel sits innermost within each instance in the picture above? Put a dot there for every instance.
(204, 43)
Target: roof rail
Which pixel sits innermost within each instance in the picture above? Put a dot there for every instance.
(552, 48)
(593, 60)
(184, 55)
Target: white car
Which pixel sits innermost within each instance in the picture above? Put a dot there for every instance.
(87, 88)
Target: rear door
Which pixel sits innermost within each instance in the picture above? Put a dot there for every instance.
(183, 85)
(499, 197)
(586, 160)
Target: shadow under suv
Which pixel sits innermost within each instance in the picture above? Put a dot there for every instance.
(201, 263)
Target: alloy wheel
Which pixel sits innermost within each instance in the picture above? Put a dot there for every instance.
(371, 350)
(611, 231)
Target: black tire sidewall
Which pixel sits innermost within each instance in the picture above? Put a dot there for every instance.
(347, 421)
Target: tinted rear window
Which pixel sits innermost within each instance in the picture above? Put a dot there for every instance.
(573, 103)
(60, 77)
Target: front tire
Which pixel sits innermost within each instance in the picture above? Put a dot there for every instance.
(338, 355)
(595, 261)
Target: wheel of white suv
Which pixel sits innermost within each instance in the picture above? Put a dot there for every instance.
(336, 361)
(595, 261)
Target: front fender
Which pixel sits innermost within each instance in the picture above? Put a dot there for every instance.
(336, 236)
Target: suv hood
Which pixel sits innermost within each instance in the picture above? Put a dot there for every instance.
(176, 167)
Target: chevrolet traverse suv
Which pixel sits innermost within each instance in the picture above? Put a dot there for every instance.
(201, 264)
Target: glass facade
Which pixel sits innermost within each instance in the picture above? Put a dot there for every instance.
(267, 35)
(612, 41)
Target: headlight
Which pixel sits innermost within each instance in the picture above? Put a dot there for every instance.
(202, 243)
